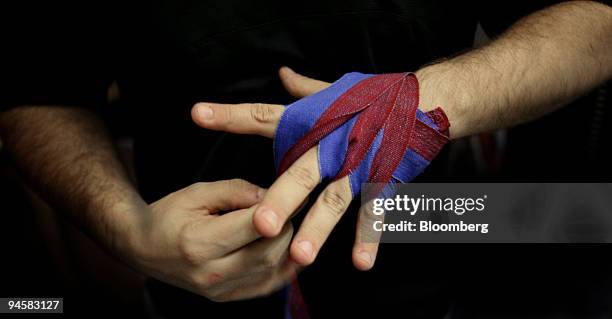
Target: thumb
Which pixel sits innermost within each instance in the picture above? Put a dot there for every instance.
(220, 196)
(298, 85)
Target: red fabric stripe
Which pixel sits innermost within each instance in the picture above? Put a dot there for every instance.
(367, 126)
(426, 141)
(389, 101)
(297, 305)
(397, 133)
(440, 119)
(354, 100)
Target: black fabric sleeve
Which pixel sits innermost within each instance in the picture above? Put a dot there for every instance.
(496, 16)
(57, 54)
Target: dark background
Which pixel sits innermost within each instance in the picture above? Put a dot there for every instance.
(43, 255)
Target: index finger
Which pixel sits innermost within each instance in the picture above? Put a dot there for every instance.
(229, 232)
(245, 118)
(287, 194)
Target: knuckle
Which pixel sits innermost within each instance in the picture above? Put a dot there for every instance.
(271, 260)
(316, 233)
(189, 253)
(367, 213)
(227, 116)
(197, 187)
(303, 176)
(365, 225)
(240, 185)
(198, 280)
(204, 281)
(334, 201)
(262, 113)
(369, 218)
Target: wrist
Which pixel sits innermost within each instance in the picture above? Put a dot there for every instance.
(118, 224)
(439, 87)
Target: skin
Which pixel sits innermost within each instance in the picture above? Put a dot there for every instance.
(215, 255)
(180, 239)
(540, 64)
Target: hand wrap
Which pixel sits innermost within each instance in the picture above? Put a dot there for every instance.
(367, 126)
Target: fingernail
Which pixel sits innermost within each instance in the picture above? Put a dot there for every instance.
(205, 112)
(306, 248)
(365, 257)
(270, 217)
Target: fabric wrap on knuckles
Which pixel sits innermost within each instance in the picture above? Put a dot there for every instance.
(367, 126)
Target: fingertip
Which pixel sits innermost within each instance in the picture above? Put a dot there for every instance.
(194, 112)
(363, 260)
(285, 70)
(302, 252)
(201, 113)
(285, 74)
(266, 222)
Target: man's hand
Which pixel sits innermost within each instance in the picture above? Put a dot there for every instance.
(200, 238)
(186, 241)
(541, 63)
(291, 188)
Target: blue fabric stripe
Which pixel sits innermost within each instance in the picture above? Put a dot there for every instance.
(360, 175)
(300, 117)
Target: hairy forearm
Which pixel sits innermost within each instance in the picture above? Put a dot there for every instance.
(541, 63)
(67, 156)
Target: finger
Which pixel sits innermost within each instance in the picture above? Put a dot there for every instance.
(233, 230)
(219, 196)
(245, 118)
(214, 236)
(237, 230)
(287, 194)
(256, 257)
(367, 239)
(320, 221)
(298, 85)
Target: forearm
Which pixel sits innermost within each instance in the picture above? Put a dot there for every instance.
(541, 63)
(67, 156)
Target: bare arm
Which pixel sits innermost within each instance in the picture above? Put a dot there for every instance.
(541, 63)
(180, 239)
(69, 158)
